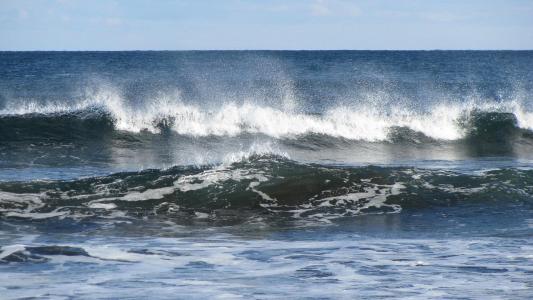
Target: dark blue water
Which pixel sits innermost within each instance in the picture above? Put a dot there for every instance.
(266, 174)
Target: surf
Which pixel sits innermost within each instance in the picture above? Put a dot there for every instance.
(100, 115)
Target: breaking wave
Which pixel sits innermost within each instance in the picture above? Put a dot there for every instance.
(105, 114)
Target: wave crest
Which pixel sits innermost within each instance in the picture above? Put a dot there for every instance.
(366, 123)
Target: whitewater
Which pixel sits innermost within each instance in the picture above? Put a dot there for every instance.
(367, 122)
(266, 174)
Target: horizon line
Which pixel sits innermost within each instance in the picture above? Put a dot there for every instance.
(243, 50)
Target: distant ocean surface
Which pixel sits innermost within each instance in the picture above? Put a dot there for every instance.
(266, 175)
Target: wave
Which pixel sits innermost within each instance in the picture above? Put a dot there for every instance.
(90, 123)
(102, 117)
(265, 186)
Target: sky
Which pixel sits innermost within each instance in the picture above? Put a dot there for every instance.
(265, 24)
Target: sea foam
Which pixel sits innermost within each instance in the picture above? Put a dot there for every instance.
(442, 121)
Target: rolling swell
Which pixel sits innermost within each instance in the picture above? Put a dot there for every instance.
(261, 186)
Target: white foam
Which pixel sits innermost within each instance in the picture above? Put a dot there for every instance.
(24, 205)
(429, 268)
(375, 196)
(212, 177)
(256, 149)
(36, 216)
(360, 122)
(107, 206)
(10, 249)
(217, 176)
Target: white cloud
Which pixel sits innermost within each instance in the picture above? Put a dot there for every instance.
(334, 8)
(320, 8)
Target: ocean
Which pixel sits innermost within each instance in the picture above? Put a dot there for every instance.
(266, 175)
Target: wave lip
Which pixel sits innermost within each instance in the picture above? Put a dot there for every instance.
(491, 126)
(72, 125)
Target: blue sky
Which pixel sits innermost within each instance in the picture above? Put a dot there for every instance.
(265, 24)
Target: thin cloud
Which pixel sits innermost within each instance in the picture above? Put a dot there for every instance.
(320, 8)
(442, 17)
(23, 14)
(333, 8)
(113, 21)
